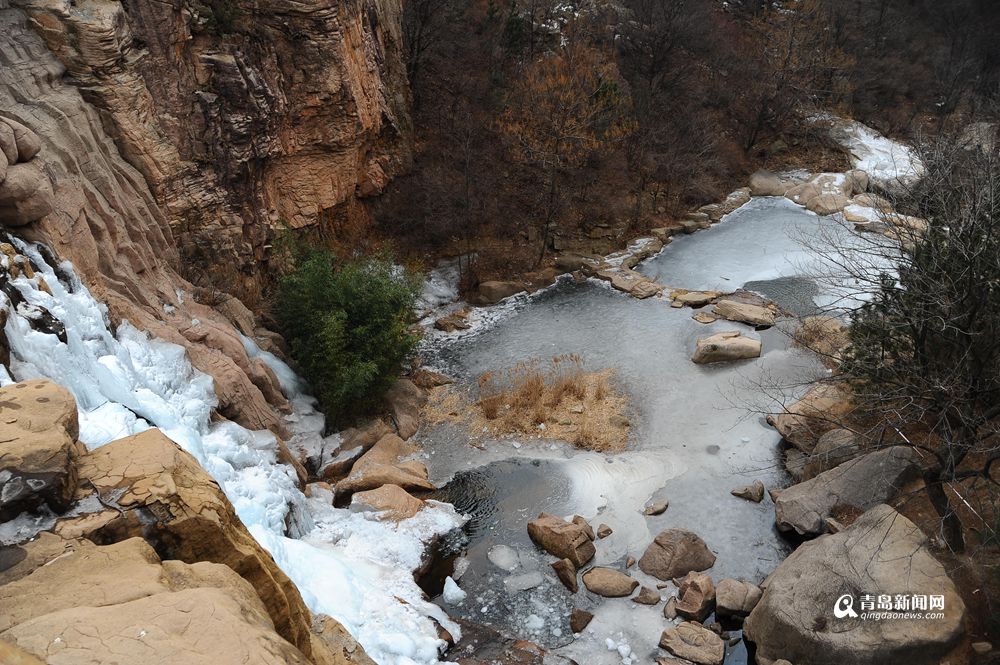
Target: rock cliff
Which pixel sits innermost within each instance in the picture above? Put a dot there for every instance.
(241, 116)
(143, 141)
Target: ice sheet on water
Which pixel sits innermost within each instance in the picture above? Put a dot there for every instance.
(347, 565)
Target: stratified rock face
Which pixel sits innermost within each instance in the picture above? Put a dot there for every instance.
(242, 115)
(38, 449)
(106, 221)
(881, 553)
(119, 603)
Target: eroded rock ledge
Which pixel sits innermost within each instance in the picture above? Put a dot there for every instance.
(139, 539)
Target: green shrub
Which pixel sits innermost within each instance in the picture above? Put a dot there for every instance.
(347, 327)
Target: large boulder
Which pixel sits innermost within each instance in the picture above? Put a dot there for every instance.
(566, 540)
(725, 347)
(384, 464)
(38, 447)
(26, 142)
(152, 488)
(881, 553)
(675, 553)
(695, 643)
(743, 312)
(609, 583)
(735, 598)
(863, 482)
(819, 411)
(120, 604)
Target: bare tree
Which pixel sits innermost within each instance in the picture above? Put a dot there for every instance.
(923, 296)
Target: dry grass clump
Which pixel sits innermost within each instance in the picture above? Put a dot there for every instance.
(557, 400)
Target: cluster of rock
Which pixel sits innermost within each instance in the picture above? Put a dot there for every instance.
(861, 546)
(617, 267)
(372, 467)
(676, 557)
(134, 538)
(846, 194)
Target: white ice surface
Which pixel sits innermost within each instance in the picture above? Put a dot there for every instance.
(348, 565)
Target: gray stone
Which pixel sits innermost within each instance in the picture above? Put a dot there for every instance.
(863, 483)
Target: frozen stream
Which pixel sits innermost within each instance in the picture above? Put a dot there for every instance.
(692, 440)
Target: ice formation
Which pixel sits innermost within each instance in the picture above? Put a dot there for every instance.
(348, 565)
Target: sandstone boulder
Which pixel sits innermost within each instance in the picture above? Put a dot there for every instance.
(571, 262)
(563, 539)
(38, 448)
(156, 490)
(858, 181)
(725, 347)
(695, 643)
(824, 335)
(452, 322)
(579, 620)
(8, 146)
(646, 289)
(819, 410)
(583, 524)
(609, 582)
(735, 598)
(863, 482)
(694, 298)
(603, 531)
(647, 596)
(392, 502)
(695, 597)
(384, 465)
(881, 553)
(656, 508)
(26, 141)
(119, 604)
(742, 312)
(675, 553)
